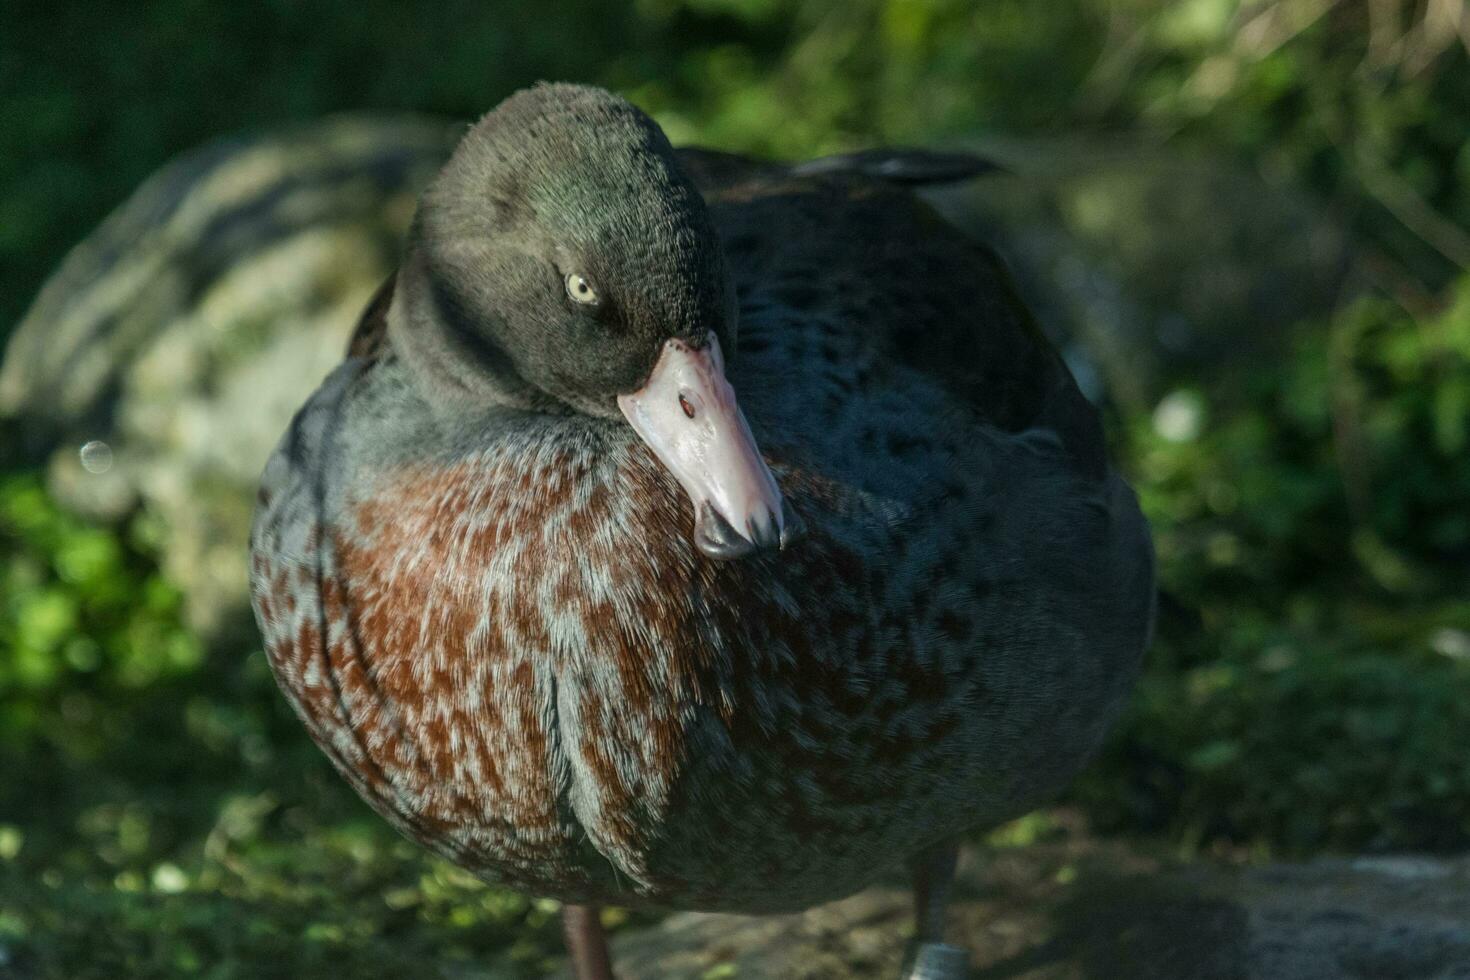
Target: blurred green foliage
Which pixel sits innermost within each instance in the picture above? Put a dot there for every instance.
(162, 814)
(1315, 522)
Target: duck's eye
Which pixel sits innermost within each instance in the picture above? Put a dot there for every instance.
(580, 290)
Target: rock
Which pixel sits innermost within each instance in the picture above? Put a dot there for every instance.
(1105, 909)
(1149, 263)
(175, 343)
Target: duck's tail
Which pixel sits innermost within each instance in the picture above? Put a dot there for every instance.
(900, 165)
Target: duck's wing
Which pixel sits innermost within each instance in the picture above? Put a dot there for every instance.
(845, 239)
(903, 166)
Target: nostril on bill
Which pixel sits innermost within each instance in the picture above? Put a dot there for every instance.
(684, 404)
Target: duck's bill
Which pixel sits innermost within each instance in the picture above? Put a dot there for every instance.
(688, 415)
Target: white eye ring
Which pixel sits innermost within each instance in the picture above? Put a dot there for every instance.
(580, 290)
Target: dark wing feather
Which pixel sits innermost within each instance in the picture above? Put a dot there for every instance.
(899, 165)
(868, 253)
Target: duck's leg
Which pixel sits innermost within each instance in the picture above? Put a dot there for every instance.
(930, 957)
(586, 943)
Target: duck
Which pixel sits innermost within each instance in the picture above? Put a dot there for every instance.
(568, 611)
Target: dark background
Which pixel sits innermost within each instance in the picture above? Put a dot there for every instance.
(1303, 449)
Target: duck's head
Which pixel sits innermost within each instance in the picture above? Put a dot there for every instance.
(561, 261)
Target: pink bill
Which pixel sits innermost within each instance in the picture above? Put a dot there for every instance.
(688, 415)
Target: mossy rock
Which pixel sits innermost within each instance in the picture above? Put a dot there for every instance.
(1148, 262)
(179, 338)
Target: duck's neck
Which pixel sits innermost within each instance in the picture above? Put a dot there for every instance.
(457, 369)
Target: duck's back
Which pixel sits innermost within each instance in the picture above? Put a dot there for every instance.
(510, 646)
(889, 285)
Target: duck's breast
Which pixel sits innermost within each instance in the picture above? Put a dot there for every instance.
(515, 653)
